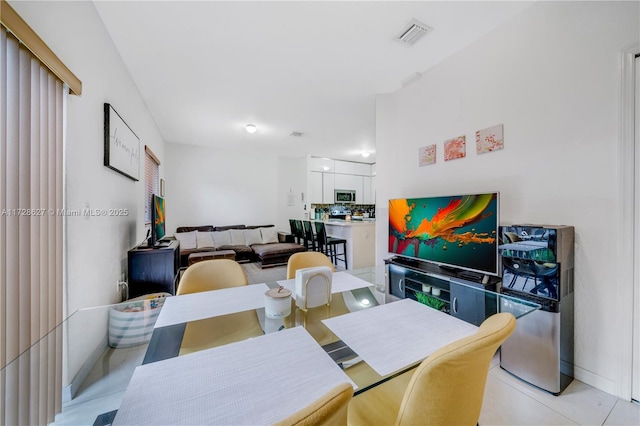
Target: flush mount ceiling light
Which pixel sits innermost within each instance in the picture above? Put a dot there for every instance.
(251, 128)
(413, 32)
(366, 154)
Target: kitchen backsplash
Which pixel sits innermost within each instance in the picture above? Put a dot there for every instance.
(352, 209)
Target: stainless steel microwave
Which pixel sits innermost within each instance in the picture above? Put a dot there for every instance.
(344, 196)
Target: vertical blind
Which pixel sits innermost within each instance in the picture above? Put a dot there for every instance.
(151, 181)
(31, 236)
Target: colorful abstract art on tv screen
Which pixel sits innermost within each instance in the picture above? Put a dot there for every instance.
(458, 231)
(157, 219)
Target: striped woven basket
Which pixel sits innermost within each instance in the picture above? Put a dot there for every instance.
(131, 322)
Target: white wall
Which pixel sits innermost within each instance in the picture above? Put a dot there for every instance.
(292, 178)
(551, 77)
(96, 247)
(210, 186)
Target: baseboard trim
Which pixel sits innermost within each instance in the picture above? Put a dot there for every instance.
(591, 379)
(70, 391)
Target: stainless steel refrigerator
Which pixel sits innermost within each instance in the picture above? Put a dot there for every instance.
(537, 265)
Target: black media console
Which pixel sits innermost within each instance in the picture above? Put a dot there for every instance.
(417, 280)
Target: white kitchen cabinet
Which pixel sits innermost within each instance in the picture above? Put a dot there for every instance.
(328, 185)
(373, 189)
(351, 182)
(367, 196)
(325, 175)
(362, 169)
(321, 165)
(351, 168)
(315, 188)
(344, 167)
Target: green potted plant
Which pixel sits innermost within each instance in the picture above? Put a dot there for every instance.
(430, 301)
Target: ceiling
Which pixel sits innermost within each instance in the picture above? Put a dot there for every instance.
(207, 68)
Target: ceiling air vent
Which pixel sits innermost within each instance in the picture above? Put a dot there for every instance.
(413, 32)
(295, 134)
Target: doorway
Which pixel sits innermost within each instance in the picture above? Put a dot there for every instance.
(635, 377)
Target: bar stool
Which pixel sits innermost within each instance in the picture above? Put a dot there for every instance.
(296, 230)
(327, 245)
(310, 239)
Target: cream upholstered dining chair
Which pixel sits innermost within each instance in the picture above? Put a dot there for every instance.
(447, 388)
(311, 319)
(210, 275)
(330, 409)
(306, 259)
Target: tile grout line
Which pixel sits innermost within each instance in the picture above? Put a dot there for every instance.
(532, 398)
(609, 413)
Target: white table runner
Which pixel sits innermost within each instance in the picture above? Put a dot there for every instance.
(253, 382)
(394, 336)
(340, 281)
(208, 304)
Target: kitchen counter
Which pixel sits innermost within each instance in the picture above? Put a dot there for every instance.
(361, 240)
(342, 222)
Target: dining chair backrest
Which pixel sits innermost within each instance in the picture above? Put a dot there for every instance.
(306, 259)
(329, 409)
(208, 333)
(212, 275)
(448, 387)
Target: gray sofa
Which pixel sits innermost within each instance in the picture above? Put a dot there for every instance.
(260, 243)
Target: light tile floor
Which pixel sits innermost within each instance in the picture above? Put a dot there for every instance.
(507, 400)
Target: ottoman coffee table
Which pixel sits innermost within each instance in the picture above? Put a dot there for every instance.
(208, 255)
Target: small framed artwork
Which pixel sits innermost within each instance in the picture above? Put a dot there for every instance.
(455, 148)
(427, 155)
(489, 139)
(162, 187)
(121, 145)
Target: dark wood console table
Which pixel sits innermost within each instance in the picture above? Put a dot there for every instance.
(153, 270)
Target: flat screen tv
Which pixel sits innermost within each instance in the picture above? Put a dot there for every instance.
(457, 231)
(157, 219)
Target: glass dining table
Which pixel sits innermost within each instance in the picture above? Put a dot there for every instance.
(369, 336)
(368, 292)
(364, 335)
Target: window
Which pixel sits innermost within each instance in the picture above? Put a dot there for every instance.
(151, 181)
(32, 111)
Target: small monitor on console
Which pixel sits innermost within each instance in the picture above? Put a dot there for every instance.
(157, 221)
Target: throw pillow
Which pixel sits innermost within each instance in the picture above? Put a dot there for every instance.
(204, 240)
(252, 236)
(237, 237)
(221, 238)
(187, 239)
(269, 235)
